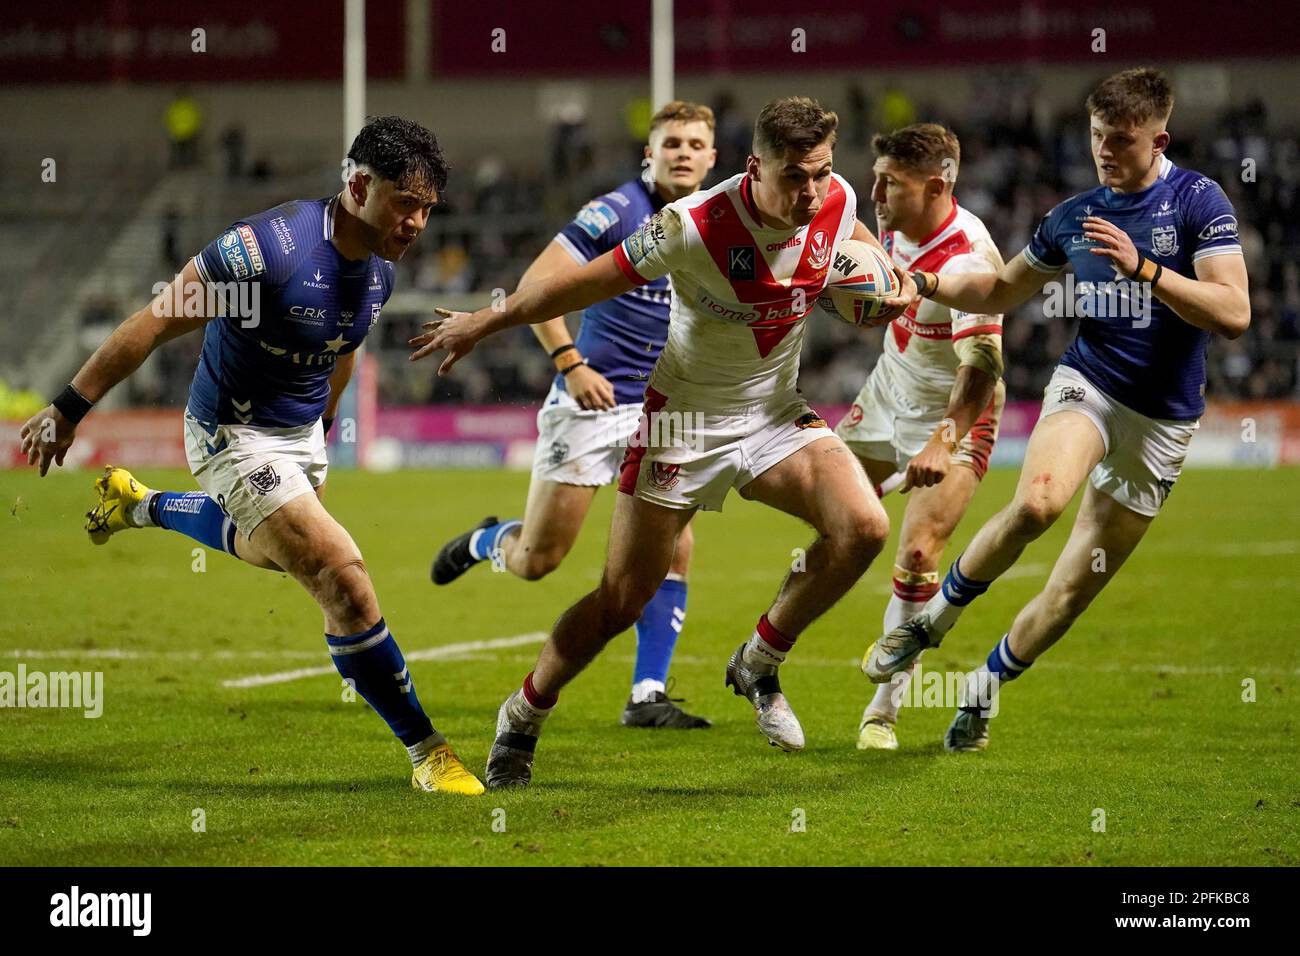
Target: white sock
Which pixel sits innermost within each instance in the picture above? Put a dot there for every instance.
(140, 513)
(885, 702)
(942, 614)
(643, 690)
(524, 715)
(981, 690)
(761, 656)
(418, 752)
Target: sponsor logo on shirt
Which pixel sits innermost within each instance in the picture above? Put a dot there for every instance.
(595, 218)
(788, 244)
(318, 284)
(1165, 210)
(242, 255)
(1071, 393)
(282, 234)
(1220, 227)
(740, 262)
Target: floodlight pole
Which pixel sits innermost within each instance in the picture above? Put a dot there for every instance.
(354, 69)
(661, 53)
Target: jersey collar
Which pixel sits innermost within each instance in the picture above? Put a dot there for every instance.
(947, 221)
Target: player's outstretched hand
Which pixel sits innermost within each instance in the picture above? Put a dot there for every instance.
(456, 332)
(897, 304)
(46, 437)
(1113, 243)
(591, 390)
(929, 467)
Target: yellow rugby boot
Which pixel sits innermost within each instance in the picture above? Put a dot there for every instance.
(119, 493)
(442, 770)
(876, 733)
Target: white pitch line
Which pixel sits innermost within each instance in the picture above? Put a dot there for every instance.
(428, 654)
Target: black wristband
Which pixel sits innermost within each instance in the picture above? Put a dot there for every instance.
(566, 371)
(327, 424)
(923, 287)
(71, 404)
(562, 349)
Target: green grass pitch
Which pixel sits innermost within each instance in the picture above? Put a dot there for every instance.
(1138, 713)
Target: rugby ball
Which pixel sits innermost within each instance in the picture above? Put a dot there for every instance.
(860, 279)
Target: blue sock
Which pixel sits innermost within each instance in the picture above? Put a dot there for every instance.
(194, 514)
(959, 590)
(373, 662)
(488, 539)
(657, 630)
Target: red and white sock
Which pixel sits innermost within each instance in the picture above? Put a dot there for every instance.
(911, 590)
(528, 707)
(766, 650)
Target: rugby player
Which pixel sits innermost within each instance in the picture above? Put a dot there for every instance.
(316, 273)
(931, 405)
(747, 260)
(595, 404)
(1159, 270)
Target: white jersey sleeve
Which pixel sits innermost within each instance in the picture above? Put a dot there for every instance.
(656, 249)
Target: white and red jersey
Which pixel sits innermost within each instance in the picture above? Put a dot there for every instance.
(919, 343)
(740, 292)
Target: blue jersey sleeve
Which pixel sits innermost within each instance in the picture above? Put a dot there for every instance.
(596, 229)
(1044, 251)
(1211, 221)
(234, 256)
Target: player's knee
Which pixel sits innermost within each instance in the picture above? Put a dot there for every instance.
(348, 592)
(622, 602)
(1030, 517)
(919, 553)
(536, 563)
(864, 537)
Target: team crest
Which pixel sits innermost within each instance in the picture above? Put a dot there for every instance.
(663, 476)
(1164, 240)
(855, 414)
(1071, 393)
(559, 452)
(819, 250)
(813, 420)
(264, 480)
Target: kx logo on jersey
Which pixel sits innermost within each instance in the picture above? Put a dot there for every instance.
(740, 262)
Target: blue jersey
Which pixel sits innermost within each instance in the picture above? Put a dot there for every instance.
(1152, 362)
(622, 337)
(272, 368)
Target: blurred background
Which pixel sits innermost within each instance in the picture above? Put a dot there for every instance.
(135, 132)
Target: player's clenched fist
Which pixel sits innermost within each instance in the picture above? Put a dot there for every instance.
(46, 437)
(928, 468)
(456, 332)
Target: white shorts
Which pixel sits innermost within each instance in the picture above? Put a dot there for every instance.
(252, 472)
(716, 453)
(888, 423)
(1144, 456)
(579, 447)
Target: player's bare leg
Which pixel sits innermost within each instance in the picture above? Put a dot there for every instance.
(304, 539)
(931, 517)
(553, 517)
(823, 485)
(642, 542)
(1062, 450)
(1105, 533)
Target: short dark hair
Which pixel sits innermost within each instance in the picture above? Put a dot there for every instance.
(795, 122)
(921, 147)
(402, 151)
(1133, 96)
